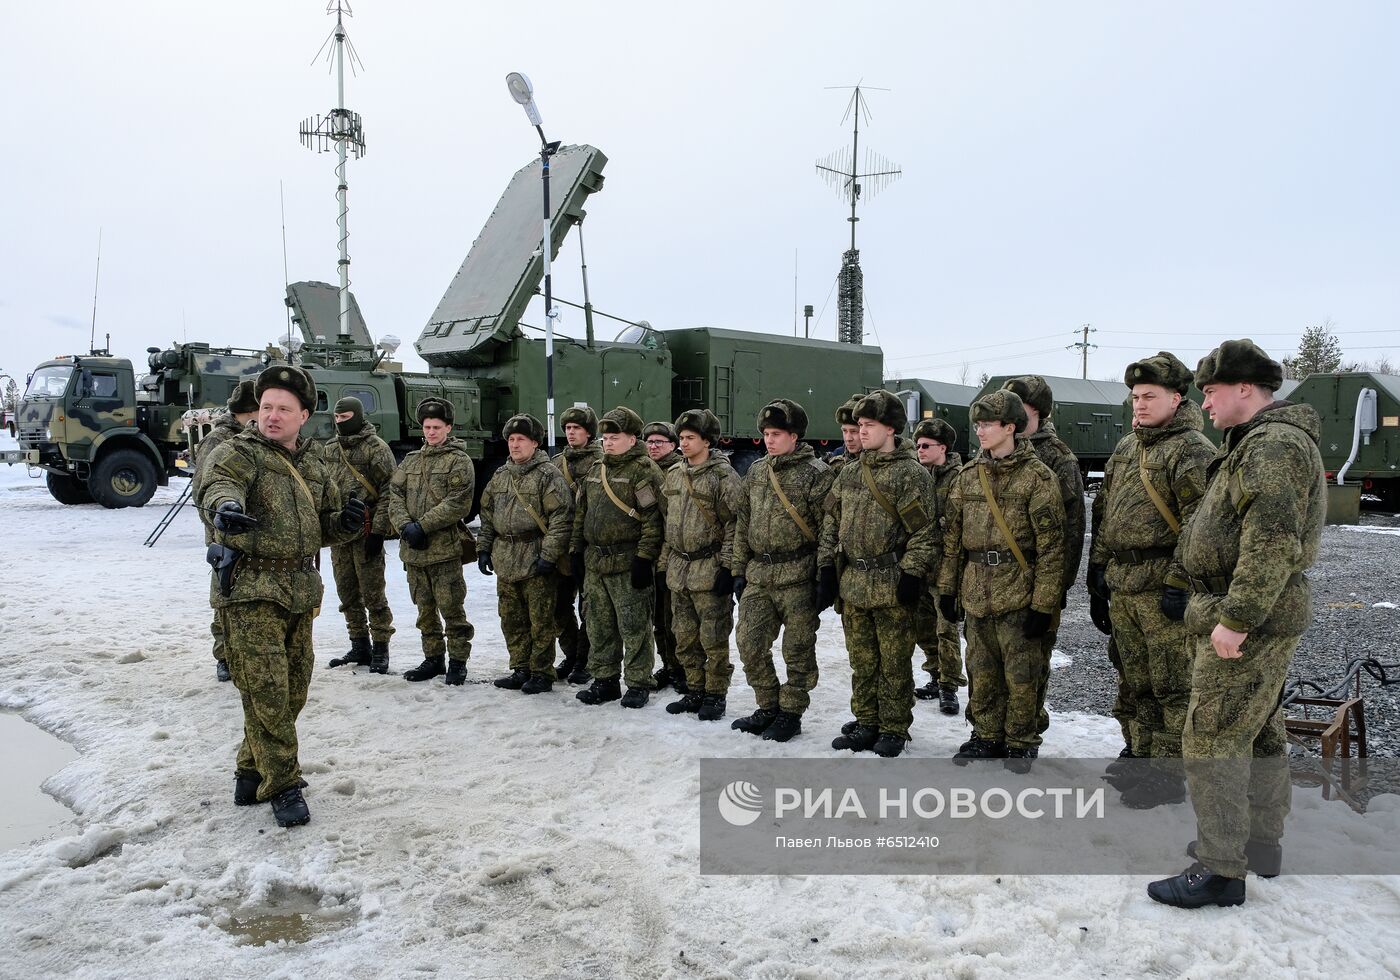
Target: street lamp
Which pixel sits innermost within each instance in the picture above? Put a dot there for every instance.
(524, 93)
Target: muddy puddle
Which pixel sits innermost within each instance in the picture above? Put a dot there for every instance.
(28, 756)
(293, 917)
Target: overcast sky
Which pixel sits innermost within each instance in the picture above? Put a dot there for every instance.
(1172, 173)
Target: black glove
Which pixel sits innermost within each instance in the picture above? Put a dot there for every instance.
(374, 545)
(353, 514)
(230, 518)
(642, 573)
(1037, 624)
(412, 532)
(827, 587)
(483, 563)
(724, 581)
(1097, 580)
(543, 566)
(1098, 612)
(1173, 603)
(948, 606)
(740, 584)
(576, 565)
(908, 589)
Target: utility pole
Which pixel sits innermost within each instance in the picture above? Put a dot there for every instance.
(1083, 346)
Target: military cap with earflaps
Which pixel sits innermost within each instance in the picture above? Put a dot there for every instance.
(1002, 405)
(579, 415)
(660, 429)
(702, 422)
(1162, 368)
(785, 414)
(523, 425)
(882, 406)
(1033, 391)
(435, 408)
(356, 422)
(846, 413)
(938, 430)
(621, 420)
(290, 378)
(243, 399)
(1239, 362)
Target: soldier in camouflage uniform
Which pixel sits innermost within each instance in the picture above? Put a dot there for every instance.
(580, 454)
(783, 500)
(881, 529)
(1009, 590)
(661, 442)
(527, 517)
(702, 501)
(274, 500)
(1134, 536)
(430, 498)
(934, 440)
(618, 528)
(1242, 556)
(242, 410)
(362, 464)
(850, 435)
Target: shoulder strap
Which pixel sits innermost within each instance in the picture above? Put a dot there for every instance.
(607, 488)
(369, 487)
(787, 506)
(1000, 518)
(300, 482)
(568, 473)
(534, 515)
(880, 498)
(1157, 500)
(689, 485)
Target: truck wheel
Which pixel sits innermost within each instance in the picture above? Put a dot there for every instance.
(123, 478)
(68, 489)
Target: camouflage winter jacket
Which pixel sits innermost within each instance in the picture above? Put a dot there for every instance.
(225, 428)
(1126, 521)
(434, 486)
(1051, 450)
(978, 566)
(613, 535)
(510, 532)
(943, 477)
(869, 545)
(1258, 527)
(372, 458)
(769, 547)
(702, 504)
(294, 523)
(576, 464)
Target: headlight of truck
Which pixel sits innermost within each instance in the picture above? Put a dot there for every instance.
(47, 436)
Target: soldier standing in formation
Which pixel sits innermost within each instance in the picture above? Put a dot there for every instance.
(616, 542)
(242, 409)
(271, 493)
(577, 460)
(1151, 486)
(430, 497)
(850, 435)
(781, 507)
(881, 530)
(527, 515)
(661, 442)
(934, 440)
(362, 464)
(702, 501)
(1003, 563)
(1242, 556)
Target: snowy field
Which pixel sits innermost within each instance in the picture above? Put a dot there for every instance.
(475, 832)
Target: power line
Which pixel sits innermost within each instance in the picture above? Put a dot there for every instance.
(958, 350)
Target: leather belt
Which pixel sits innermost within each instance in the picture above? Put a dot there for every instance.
(1136, 556)
(257, 563)
(709, 551)
(1220, 584)
(888, 560)
(779, 557)
(610, 550)
(994, 558)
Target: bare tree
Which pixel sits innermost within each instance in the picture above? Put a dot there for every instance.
(964, 374)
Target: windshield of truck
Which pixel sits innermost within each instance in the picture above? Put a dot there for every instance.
(49, 382)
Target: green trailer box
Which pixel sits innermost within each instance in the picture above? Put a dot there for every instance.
(939, 400)
(1090, 416)
(1362, 410)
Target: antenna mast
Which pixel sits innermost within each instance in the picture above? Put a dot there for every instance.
(96, 277)
(341, 127)
(843, 170)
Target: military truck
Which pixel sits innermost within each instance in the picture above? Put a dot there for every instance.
(1360, 442)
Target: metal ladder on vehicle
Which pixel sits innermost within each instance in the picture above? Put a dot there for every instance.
(159, 529)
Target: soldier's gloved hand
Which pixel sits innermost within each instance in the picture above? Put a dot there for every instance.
(908, 589)
(642, 573)
(230, 518)
(576, 565)
(483, 563)
(827, 587)
(740, 584)
(1173, 603)
(543, 566)
(412, 532)
(1037, 624)
(948, 606)
(1097, 580)
(724, 582)
(374, 545)
(1098, 612)
(353, 514)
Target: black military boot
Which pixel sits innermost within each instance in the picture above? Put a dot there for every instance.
(689, 704)
(948, 700)
(678, 681)
(636, 697)
(783, 728)
(456, 673)
(1155, 789)
(379, 657)
(969, 743)
(565, 668)
(537, 684)
(711, 707)
(430, 667)
(1122, 763)
(929, 691)
(756, 723)
(889, 745)
(221, 671)
(245, 789)
(357, 656)
(662, 678)
(1197, 886)
(513, 681)
(289, 807)
(861, 738)
(580, 674)
(603, 689)
(1265, 860)
(849, 727)
(979, 748)
(1019, 759)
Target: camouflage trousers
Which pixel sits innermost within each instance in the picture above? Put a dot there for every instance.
(880, 645)
(1156, 658)
(216, 628)
(664, 628)
(1124, 710)
(1006, 679)
(528, 622)
(440, 592)
(573, 633)
(938, 638)
(763, 612)
(1235, 748)
(702, 623)
(359, 581)
(619, 629)
(270, 659)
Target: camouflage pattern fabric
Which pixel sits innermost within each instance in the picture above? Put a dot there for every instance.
(880, 644)
(764, 610)
(938, 638)
(662, 628)
(619, 628)
(611, 536)
(510, 533)
(1051, 450)
(359, 581)
(372, 457)
(1007, 673)
(702, 622)
(1124, 708)
(769, 548)
(433, 487)
(1156, 668)
(574, 465)
(440, 593)
(528, 622)
(270, 660)
(225, 427)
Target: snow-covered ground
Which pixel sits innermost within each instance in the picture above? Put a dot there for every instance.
(477, 832)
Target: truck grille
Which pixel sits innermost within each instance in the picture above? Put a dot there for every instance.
(30, 435)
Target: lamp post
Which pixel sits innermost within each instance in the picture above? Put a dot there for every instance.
(524, 93)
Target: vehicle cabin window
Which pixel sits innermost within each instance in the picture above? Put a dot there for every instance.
(103, 386)
(367, 397)
(321, 402)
